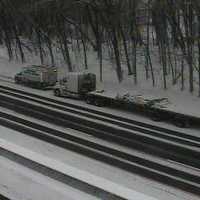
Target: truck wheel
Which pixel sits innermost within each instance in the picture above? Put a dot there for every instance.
(98, 102)
(57, 93)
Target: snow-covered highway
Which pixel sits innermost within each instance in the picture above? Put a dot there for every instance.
(114, 176)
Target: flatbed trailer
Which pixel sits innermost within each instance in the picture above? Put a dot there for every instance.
(83, 86)
(100, 98)
(179, 119)
(139, 104)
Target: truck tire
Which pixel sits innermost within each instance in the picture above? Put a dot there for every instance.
(182, 123)
(89, 100)
(57, 92)
(98, 102)
(154, 115)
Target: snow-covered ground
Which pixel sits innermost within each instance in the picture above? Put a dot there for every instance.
(118, 177)
(20, 183)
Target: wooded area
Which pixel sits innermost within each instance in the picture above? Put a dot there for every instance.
(169, 28)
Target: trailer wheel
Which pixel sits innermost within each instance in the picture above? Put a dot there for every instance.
(38, 85)
(182, 123)
(89, 100)
(154, 115)
(57, 92)
(42, 86)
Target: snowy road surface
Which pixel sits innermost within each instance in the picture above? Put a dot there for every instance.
(20, 183)
(99, 182)
(133, 183)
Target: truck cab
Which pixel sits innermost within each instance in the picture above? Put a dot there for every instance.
(75, 85)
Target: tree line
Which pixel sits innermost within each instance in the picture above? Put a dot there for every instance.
(168, 28)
